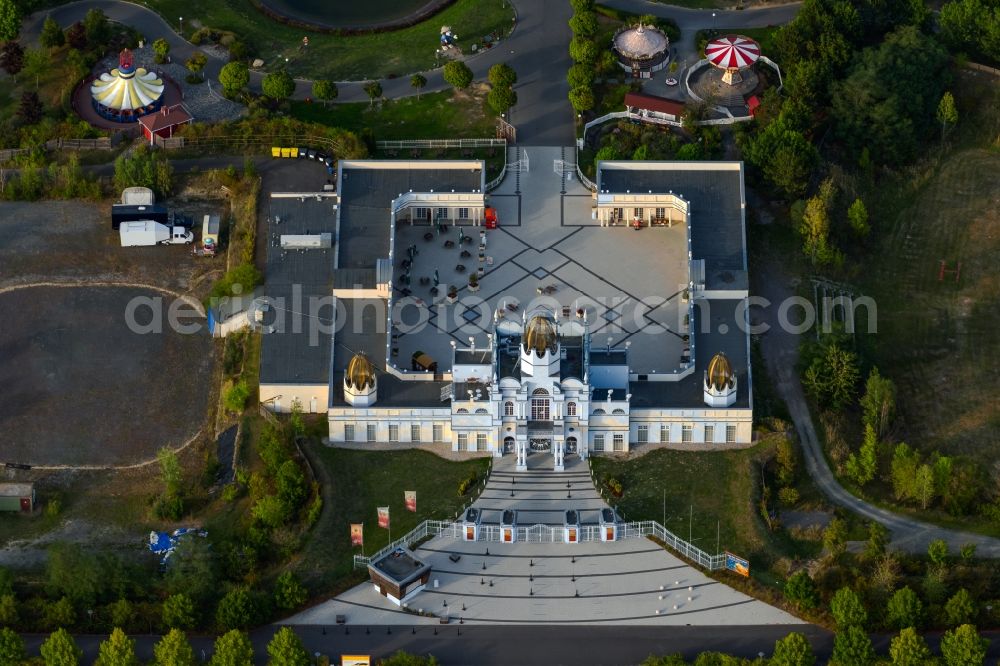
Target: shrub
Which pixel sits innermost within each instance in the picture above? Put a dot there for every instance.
(288, 591)
(161, 49)
(278, 85)
(801, 590)
(467, 483)
(457, 74)
(615, 486)
(236, 396)
(788, 496)
(234, 77)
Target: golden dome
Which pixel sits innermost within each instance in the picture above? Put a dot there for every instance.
(360, 373)
(540, 335)
(720, 375)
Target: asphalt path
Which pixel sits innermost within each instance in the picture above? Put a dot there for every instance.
(537, 50)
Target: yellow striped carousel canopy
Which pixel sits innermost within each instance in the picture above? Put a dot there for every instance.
(127, 91)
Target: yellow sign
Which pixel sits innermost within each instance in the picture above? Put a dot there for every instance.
(355, 660)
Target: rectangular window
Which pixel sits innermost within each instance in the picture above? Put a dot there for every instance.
(637, 212)
(730, 434)
(598, 442)
(686, 432)
(709, 434)
(420, 213)
(463, 213)
(664, 432)
(372, 432)
(349, 432)
(438, 433)
(540, 409)
(463, 441)
(643, 434)
(661, 213)
(442, 213)
(414, 433)
(619, 441)
(393, 432)
(618, 213)
(481, 444)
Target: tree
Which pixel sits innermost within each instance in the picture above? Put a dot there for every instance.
(582, 99)
(161, 50)
(52, 34)
(835, 537)
(289, 593)
(580, 75)
(8, 609)
(12, 57)
(960, 609)
(238, 609)
(196, 63)
(947, 112)
(583, 50)
(97, 27)
(783, 155)
(144, 168)
(857, 215)
(278, 85)
(963, 647)
(73, 573)
(11, 647)
(877, 537)
(793, 650)
(10, 19)
(325, 90)
(924, 485)
(457, 74)
(232, 649)
(76, 36)
(59, 649)
(502, 74)
(192, 572)
(501, 98)
(418, 82)
(581, 5)
(271, 511)
(832, 376)
(903, 472)
(286, 649)
(117, 650)
(179, 612)
(173, 650)
(584, 24)
(863, 465)
(852, 647)
(60, 614)
(967, 552)
(234, 77)
(374, 91)
(400, 658)
(815, 226)
(909, 649)
(904, 609)
(937, 551)
(801, 590)
(879, 400)
(29, 110)
(847, 609)
(122, 613)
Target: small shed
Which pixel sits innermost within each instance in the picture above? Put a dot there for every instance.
(165, 122)
(653, 106)
(398, 575)
(17, 497)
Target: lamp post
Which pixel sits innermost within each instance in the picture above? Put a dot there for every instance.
(713, 21)
(181, 19)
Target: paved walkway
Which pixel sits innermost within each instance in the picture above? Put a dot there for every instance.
(781, 354)
(626, 582)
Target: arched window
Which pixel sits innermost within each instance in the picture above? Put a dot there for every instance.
(598, 412)
(539, 391)
(482, 410)
(463, 410)
(570, 409)
(618, 411)
(508, 408)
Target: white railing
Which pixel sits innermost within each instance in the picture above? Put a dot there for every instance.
(588, 183)
(495, 183)
(441, 143)
(549, 534)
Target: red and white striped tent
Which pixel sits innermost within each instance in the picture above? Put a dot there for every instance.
(732, 53)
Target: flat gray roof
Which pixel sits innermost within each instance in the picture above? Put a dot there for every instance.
(296, 345)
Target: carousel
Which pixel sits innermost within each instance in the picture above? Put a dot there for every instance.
(642, 50)
(732, 54)
(126, 93)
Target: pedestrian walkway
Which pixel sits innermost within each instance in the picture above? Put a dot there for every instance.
(625, 582)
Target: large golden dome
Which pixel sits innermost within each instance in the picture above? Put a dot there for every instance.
(360, 373)
(720, 375)
(540, 335)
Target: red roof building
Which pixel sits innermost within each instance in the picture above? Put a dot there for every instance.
(165, 122)
(752, 104)
(657, 107)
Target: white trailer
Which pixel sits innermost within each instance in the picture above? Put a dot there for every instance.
(147, 232)
(138, 196)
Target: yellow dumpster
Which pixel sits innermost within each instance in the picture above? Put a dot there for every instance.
(286, 152)
(295, 152)
(275, 151)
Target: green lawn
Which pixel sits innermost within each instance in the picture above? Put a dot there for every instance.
(356, 57)
(360, 481)
(439, 115)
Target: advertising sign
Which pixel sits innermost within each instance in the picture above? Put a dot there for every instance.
(357, 534)
(383, 517)
(410, 499)
(737, 564)
(355, 660)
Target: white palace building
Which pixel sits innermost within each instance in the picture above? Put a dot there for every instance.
(521, 339)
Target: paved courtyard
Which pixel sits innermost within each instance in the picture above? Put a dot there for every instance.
(625, 280)
(627, 582)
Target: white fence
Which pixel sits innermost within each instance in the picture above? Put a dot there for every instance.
(441, 143)
(550, 534)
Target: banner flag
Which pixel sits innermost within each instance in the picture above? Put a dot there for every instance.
(383, 517)
(357, 534)
(410, 498)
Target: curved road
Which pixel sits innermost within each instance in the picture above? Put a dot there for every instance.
(537, 50)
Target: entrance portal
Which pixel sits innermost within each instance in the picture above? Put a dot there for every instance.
(571, 445)
(540, 444)
(508, 445)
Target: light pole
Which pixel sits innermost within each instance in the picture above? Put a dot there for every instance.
(181, 19)
(713, 21)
